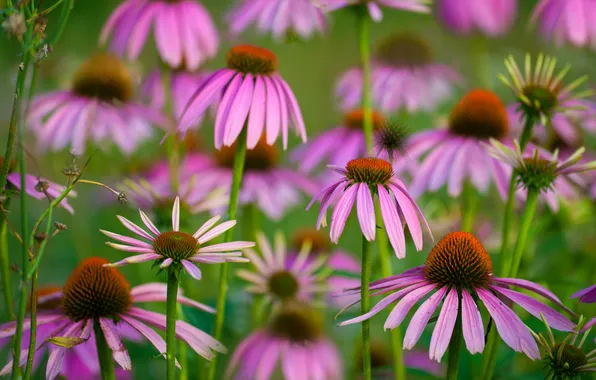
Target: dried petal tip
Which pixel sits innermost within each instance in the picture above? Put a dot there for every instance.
(370, 170)
(251, 59)
(355, 119)
(296, 322)
(480, 114)
(404, 50)
(104, 77)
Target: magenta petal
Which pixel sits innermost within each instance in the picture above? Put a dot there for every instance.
(341, 212)
(119, 352)
(402, 308)
(225, 109)
(148, 333)
(421, 318)
(241, 106)
(473, 329)
(392, 221)
(256, 118)
(439, 341)
(192, 269)
(538, 289)
(273, 113)
(366, 211)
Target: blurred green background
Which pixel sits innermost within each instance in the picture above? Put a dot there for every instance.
(562, 246)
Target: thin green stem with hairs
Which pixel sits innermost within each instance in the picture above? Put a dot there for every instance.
(237, 174)
(182, 351)
(5, 264)
(365, 307)
(106, 363)
(524, 229)
(363, 27)
(469, 205)
(171, 315)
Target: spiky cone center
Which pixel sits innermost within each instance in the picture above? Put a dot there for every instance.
(404, 50)
(565, 362)
(283, 284)
(480, 114)
(391, 137)
(319, 241)
(175, 245)
(251, 59)
(262, 157)
(537, 173)
(459, 261)
(538, 99)
(93, 291)
(370, 170)
(41, 295)
(104, 77)
(296, 322)
(355, 119)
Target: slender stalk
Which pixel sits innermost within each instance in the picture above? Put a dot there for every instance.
(251, 221)
(524, 229)
(469, 206)
(5, 266)
(106, 364)
(481, 61)
(171, 311)
(364, 47)
(365, 307)
(182, 352)
(454, 349)
(174, 141)
(237, 174)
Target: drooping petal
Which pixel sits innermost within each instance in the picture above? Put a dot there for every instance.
(366, 211)
(341, 211)
(472, 327)
(421, 318)
(439, 341)
(192, 269)
(402, 308)
(119, 352)
(392, 221)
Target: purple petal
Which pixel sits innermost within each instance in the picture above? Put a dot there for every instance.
(473, 329)
(119, 352)
(392, 222)
(341, 211)
(366, 211)
(192, 269)
(135, 259)
(402, 308)
(240, 106)
(441, 337)
(538, 289)
(421, 318)
(256, 119)
(134, 228)
(148, 333)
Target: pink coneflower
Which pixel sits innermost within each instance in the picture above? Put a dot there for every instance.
(490, 17)
(567, 21)
(273, 188)
(100, 298)
(459, 269)
(457, 154)
(258, 96)
(176, 247)
(404, 75)
(98, 107)
(587, 295)
(183, 30)
(361, 180)
(282, 18)
(294, 341)
(374, 6)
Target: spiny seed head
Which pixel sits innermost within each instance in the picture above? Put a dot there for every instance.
(391, 138)
(319, 241)
(251, 59)
(355, 119)
(481, 114)
(404, 50)
(296, 322)
(44, 302)
(104, 77)
(459, 260)
(565, 361)
(370, 170)
(175, 245)
(540, 99)
(537, 173)
(262, 157)
(93, 291)
(283, 284)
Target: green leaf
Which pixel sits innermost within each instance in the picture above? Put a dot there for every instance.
(66, 341)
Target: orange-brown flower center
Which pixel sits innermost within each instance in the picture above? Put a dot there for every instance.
(104, 77)
(404, 50)
(459, 260)
(355, 119)
(296, 322)
(175, 245)
(261, 158)
(370, 170)
(93, 291)
(319, 241)
(251, 59)
(481, 114)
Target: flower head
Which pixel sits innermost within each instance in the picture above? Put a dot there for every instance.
(177, 247)
(190, 43)
(459, 270)
(490, 17)
(260, 98)
(279, 17)
(566, 21)
(391, 139)
(96, 294)
(98, 107)
(373, 7)
(295, 333)
(361, 180)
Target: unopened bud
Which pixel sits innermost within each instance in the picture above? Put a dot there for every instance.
(60, 226)
(122, 198)
(40, 237)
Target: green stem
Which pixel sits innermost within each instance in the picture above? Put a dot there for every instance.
(365, 307)
(454, 349)
(64, 14)
(171, 309)
(182, 351)
(106, 364)
(469, 206)
(481, 61)
(251, 222)
(237, 173)
(5, 266)
(522, 237)
(364, 47)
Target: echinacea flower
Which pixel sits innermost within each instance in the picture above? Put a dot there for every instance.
(37, 187)
(294, 341)
(272, 187)
(282, 18)
(99, 107)
(458, 153)
(404, 75)
(281, 278)
(360, 181)
(183, 29)
(99, 296)
(374, 6)
(490, 17)
(567, 21)
(459, 271)
(253, 96)
(176, 247)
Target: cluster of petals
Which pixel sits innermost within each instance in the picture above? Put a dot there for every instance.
(490, 17)
(40, 188)
(567, 21)
(374, 6)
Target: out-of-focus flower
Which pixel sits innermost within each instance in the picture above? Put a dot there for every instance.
(458, 153)
(98, 296)
(98, 107)
(175, 247)
(587, 295)
(14, 25)
(404, 74)
(294, 341)
(282, 18)
(374, 6)
(567, 21)
(459, 270)
(381, 362)
(184, 31)
(490, 17)
(253, 96)
(360, 181)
